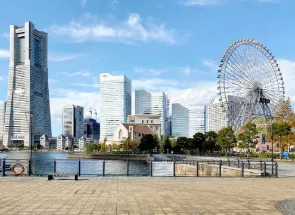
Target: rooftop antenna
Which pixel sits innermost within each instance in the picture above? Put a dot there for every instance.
(95, 113)
(90, 111)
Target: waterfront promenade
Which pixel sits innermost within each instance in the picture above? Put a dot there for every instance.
(144, 195)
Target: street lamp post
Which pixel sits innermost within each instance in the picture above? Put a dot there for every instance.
(31, 135)
(31, 141)
(272, 158)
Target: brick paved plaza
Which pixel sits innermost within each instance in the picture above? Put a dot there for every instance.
(144, 195)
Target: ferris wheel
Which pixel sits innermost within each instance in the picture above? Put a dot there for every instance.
(250, 82)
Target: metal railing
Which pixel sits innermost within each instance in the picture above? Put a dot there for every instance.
(93, 167)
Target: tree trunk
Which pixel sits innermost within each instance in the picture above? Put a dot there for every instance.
(280, 149)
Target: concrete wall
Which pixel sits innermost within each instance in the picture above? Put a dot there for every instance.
(206, 170)
(110, 157)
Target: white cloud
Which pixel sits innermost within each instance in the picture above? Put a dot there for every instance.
(63, 57)
(52, 81)
(84, 2)
(82, 72)
(201, 2)
(187, 70)
(133, 29)
(113, 4)
(94, 84)
(70, 96)
(4, 53)
(288, 71)
(155, 84)
(150, 72)
(212, 65)
(85, 85)
(199, 93)
(268, 1)
(192, 3)
(5, 35)
(159, 71)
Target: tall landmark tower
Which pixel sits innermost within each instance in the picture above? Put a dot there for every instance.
(27, 106)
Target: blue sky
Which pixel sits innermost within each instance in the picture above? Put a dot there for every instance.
(161, 45)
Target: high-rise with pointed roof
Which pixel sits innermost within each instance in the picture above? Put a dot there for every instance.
(27, 106)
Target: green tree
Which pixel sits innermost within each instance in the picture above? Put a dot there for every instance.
(166, 145)
(209, 143)
(182, 144)
(103, 145)
(96, 147)
(198, 140)
(157, 142)
(284, 114)
(280, 130)
(174, 146)
(226, 139)
(134, 145)
(126, 144)
(89, 149)
(147, 143)
(247, 136)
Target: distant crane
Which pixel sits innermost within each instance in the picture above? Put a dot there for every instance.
(93, 109)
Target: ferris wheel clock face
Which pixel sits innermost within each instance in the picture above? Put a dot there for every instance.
(250, 82)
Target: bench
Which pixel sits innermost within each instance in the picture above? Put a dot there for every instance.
(51, 175)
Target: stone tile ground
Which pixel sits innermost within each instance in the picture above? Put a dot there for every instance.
(144, 195)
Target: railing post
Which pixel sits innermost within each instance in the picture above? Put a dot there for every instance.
(238, 163)
(103, 168)
(260, 165)
(197, 169)
(242, 169)
(127, 173)
(79, 168)
(151, 168)
(220, 164)
(54, 166)
(276, 168)
(30, 167)
(3, 167)
(249, 167)
(264, 167)
(228, 160)
(173, 168)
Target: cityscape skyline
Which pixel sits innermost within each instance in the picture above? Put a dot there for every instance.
(184, 69)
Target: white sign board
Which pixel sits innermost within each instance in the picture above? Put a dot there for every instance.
(18, 137)
(162, 168)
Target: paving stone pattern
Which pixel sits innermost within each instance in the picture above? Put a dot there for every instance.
(287, 207)
(144, 195)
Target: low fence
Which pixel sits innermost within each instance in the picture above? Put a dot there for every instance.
(92, 167)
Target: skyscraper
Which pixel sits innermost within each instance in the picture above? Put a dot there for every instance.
(91, 129)
(72, 121)
(27, 107)
(215, 116)
(180, 120)
(153, 103)
(187, 120)
(115, 103)
(197, 121)
(2, 119)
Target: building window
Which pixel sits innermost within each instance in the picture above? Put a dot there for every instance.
(156, 127)
(147, 121)
(152, 121)
(37, 52)
(21, 50)
(142, 121)
(139, 135)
